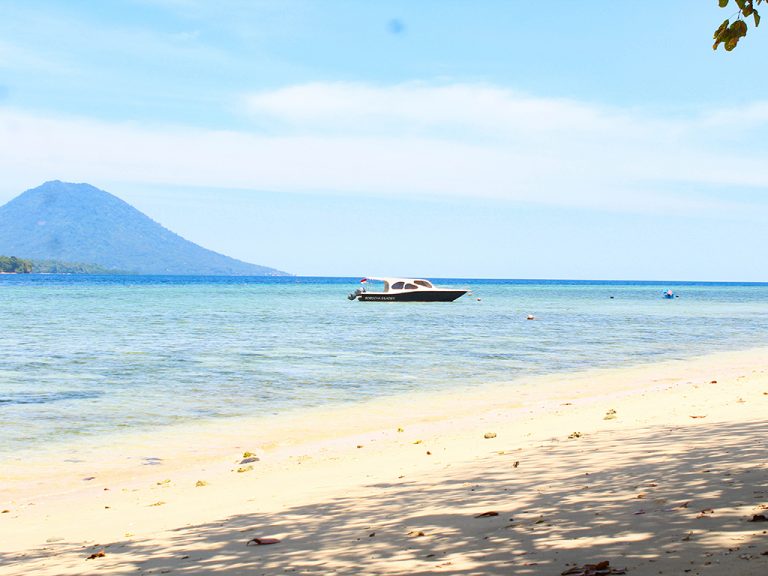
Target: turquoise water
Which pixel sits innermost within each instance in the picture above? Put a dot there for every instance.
(88, 356)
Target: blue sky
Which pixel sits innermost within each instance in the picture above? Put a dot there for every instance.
(509, 139)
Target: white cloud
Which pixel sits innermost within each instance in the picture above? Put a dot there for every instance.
(453, 140)
(416, 107)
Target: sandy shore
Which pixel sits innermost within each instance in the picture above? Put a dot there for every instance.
(657, 469)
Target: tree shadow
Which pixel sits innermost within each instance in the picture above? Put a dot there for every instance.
(677, 499)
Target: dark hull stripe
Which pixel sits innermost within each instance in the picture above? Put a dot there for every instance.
(415, 296)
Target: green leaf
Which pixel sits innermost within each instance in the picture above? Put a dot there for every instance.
(740, 4)
(730, 44)
(723, 3)
(757, 18)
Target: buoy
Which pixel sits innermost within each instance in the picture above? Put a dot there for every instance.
(530, 317)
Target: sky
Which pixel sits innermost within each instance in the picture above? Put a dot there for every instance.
(438, 138)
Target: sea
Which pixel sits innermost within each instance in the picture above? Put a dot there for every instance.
(85, 357)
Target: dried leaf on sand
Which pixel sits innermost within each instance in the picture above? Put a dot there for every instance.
(600, 569)
(99, 554)
(487, 514)
(262, 541)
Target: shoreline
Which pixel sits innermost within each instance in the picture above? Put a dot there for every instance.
(75, 445)
(133, 497)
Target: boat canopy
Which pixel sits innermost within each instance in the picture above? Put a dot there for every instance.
(401, 283)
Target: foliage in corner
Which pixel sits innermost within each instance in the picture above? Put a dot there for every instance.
(729, 33)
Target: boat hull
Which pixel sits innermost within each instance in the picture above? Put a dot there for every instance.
(414, 296)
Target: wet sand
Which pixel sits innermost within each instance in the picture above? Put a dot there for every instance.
(657, 469)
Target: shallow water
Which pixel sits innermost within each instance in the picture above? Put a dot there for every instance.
(88, 356)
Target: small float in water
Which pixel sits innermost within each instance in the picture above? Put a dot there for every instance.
(668, 294)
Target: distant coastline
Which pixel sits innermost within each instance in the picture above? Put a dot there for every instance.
(16, 265)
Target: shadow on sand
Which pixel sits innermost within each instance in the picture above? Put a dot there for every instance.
(676, 501)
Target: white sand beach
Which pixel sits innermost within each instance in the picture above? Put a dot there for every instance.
(657, 469)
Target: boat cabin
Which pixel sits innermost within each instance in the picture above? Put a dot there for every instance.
(403, 284)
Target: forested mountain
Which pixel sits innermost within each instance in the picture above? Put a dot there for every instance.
(79, 223)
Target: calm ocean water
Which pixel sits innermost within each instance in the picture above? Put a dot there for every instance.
(88, 356)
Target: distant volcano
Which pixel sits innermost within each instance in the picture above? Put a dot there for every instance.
(80, 223)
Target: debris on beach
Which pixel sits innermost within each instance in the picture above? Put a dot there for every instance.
(487, 514)
(201, 483)
(573, 435)
(699, 416)
(489, 435)
(416, 533)
(162, 482)
(244, 469)
(400, 429)
(262, 541)
(600, 569)
(6, 511)
(610, 415)
(158, 503)
(705, 513)
(247, 454)
(758, 518)
(99, 554)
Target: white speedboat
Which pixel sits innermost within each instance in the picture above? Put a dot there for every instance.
(405, 290)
